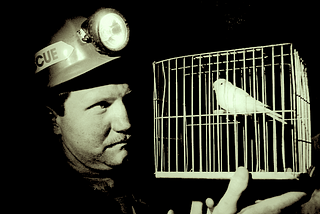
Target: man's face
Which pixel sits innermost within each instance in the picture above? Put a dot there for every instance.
(95, 126)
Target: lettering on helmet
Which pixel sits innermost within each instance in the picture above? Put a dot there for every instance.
(39, 63)
(52, 54)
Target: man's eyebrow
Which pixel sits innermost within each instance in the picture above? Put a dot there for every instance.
(93, 97)
(129, 90)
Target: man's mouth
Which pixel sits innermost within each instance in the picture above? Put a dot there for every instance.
(122, 139)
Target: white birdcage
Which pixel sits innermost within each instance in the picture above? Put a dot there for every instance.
(195, 138)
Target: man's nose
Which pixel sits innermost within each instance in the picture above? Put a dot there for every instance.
(120, 122)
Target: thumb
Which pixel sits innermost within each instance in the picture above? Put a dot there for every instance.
(170, 212)
(238, 183)
(196, 207)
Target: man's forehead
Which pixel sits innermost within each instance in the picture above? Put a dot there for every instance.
(113, 90)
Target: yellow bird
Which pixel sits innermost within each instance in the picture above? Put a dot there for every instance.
(237, 101)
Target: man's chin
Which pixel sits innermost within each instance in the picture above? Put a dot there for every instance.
(116, 157)
(121, 158)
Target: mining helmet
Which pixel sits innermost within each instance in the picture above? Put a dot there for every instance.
(83, 44)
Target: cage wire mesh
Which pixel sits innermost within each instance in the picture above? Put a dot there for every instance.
(195, 138)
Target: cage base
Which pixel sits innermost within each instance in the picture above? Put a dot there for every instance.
(228, 175)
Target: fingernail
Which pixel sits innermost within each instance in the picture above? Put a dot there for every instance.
(210, 204)
(170, 212)
(196, 207)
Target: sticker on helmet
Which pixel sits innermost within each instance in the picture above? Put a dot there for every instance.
(52, 54)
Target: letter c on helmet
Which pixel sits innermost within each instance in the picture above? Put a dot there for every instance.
(37, 61)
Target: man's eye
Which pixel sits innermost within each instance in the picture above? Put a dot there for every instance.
(99, 106)
(103, 104)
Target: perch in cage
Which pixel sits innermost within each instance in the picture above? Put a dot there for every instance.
(214, 112)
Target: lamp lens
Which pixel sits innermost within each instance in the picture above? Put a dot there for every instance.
(113, 32)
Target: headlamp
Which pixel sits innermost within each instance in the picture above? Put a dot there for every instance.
(107, 30)
(82, 44)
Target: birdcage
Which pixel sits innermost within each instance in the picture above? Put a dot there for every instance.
(194, 137)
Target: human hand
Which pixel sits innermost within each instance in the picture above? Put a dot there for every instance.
(228, 203)
(274, 205)
(238, 183)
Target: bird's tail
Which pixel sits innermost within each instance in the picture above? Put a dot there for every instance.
(276, 116)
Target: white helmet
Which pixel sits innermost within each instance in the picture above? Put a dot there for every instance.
(83, 44)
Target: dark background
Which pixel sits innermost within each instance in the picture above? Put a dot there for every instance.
(164, 29)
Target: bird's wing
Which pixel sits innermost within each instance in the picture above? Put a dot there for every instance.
(237, 101)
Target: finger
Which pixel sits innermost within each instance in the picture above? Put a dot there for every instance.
(238, 183)
(170, 212)
(274, 205)
(210, 204)
(282, 201)
(196, 207)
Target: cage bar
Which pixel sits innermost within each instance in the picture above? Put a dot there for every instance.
(209, 117)
(184, 118)
(162, 155)
(195, 137)
(282, 108)
(263, 83)
(294, 111)
(275, 159)
(192, 113)
(218, 122)
(227, 118)
(155, 111)
(234, 116)
(178, 134)
(200, 139)
(169, 116)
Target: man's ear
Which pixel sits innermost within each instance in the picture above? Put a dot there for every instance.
(54, 117)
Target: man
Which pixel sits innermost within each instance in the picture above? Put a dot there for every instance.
(93, 103)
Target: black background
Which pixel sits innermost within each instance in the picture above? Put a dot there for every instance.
(164, 29)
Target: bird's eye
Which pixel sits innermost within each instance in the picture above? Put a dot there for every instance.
(221, 83)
